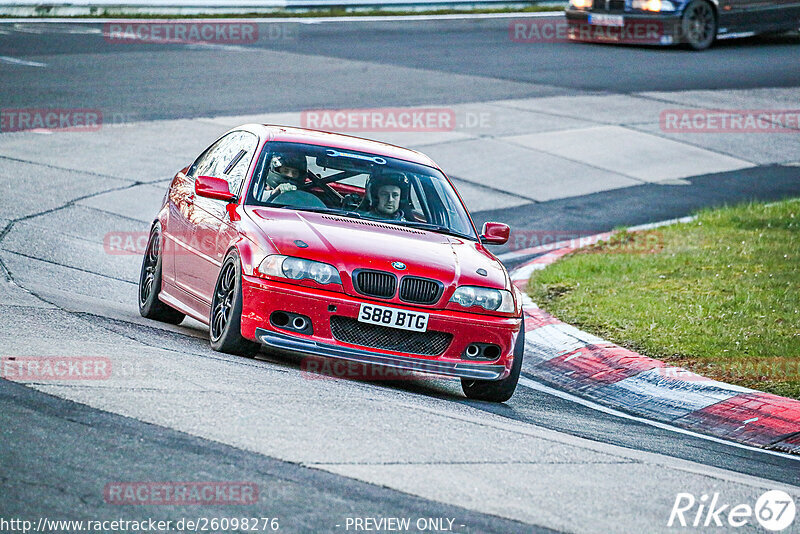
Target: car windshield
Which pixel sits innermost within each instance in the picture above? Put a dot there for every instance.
(357, 184)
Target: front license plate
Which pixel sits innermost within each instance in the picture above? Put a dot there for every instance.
(394, 318)
(607, 20)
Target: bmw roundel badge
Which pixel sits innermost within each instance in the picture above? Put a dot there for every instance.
(399, 265)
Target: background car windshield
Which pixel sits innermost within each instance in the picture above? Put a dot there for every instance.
(357, 184)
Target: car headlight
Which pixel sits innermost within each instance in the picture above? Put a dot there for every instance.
(299, 269)
(653, 5)
(581, 4)
(498, 300)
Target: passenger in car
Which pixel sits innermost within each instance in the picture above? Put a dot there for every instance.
(387, 196)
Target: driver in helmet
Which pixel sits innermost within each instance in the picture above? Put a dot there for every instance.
(286, 172)
(388, 192)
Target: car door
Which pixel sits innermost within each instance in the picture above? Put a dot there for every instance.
(752, 15)
(779, 14)
(184, 215)
(212, 227)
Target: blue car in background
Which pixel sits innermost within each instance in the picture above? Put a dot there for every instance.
(694, 22)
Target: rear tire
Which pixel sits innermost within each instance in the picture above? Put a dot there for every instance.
(498, 390)
(150, 283)
(699, 24)
(225, 322)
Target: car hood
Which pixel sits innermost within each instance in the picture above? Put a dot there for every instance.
(350, 244)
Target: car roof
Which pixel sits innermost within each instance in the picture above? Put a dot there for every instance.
(291, 134)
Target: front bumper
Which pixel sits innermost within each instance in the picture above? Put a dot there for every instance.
(263, 297)
(478, 371)
(638, 28)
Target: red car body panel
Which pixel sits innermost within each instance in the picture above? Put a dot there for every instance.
(199, 232)
(265, 297)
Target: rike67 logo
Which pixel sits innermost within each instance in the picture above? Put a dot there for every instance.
(774, 510)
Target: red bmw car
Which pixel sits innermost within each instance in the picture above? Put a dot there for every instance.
(334, 246)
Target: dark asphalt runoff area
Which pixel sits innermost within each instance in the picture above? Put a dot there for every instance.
(57, 455)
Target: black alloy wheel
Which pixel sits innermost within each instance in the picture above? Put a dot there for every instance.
(699, 25)
(225, 322)
(150, 283)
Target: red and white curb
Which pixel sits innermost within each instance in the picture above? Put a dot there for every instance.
(587, 366)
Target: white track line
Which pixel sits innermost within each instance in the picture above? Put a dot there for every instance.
(650, 226)
(300, 20)
(15, 61)
(33, 29)
(532, 384)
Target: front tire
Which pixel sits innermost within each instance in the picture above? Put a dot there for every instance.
(225, 322)
(150, 283)
(699, 24)
(498, 390)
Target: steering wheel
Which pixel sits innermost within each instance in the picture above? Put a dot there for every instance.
(276, 193)
(351, 201)
(298, 199)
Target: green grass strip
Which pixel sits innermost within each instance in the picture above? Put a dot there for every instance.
(719, 296)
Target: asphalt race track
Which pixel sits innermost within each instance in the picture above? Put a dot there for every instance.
(342, 64)
(323, 450)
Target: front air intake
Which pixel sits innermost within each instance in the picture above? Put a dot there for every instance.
(382, 337)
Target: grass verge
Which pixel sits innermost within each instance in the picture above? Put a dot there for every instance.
(719, 296)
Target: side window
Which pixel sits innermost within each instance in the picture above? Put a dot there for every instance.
(445, 210)
(207, 162)
(229, 158)
(417, 205)
(236, 160)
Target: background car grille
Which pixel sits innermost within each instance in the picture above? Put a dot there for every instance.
(419, 290)
(375, 284)
(382, 337)
(607, 6)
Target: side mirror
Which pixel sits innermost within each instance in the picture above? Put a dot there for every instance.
(495, 233)
(216, 188)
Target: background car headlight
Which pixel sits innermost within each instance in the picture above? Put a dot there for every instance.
(299, 269)
(490, 299)
(653, 5)
(581, 4)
